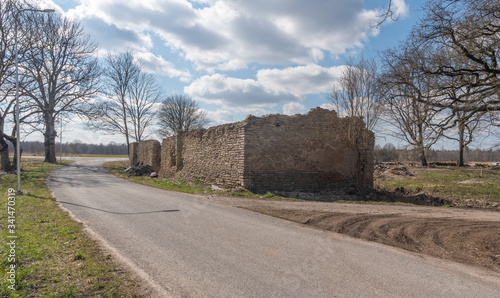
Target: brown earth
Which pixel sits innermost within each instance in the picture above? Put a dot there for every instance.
(469, 236)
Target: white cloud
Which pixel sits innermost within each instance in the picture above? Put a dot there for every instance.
(294, 108)
(156, 64)
(244, 95)
(230, 34)
(301, 80)
(220, 116)
(271, 87)
(401, 8)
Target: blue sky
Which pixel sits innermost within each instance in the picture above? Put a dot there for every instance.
(239, 57)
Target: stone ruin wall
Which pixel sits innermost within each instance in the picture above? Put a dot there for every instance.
(146, 151)
(300, 153)
(214, 155)
(271, 153)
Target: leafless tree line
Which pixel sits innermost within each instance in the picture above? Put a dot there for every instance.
(60, 77)
(132, 100)
(441, 82)
(75, 147)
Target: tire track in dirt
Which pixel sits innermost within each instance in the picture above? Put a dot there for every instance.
(470, 242)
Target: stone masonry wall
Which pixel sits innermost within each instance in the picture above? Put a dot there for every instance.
(146, 151)
(214, 155)
(300, 153)
(272, 153)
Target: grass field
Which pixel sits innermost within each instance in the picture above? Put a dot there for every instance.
(53, 256)
(454, 183)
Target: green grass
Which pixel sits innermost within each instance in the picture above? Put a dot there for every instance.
(450, 182)
(54, 257)
(181, 185)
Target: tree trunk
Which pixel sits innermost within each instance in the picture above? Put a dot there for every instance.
(461, 144)
(50, 138)
(13, 141)
(423, 159)
(5, 164)
(125, 123)
(421, 147)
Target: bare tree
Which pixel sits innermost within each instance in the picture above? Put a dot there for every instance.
(454, 50)
(119, 72)
(356, 96)
(144, 94)
(466, 31)
(9, 15)
(180, 112)
(130, 94)
(388, 13)
(406, 89)
(7, 11)
(356, 93)
(59, 73)
(467, 121)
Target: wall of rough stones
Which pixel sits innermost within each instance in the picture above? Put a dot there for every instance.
(311, 152)
(146, 151)
(301, 153)
(214, 155)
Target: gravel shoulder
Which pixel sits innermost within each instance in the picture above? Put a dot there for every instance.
(469, 236)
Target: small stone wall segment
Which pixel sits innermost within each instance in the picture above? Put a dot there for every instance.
(298, 153)
(168, 160)
(148, 152)
(132, 153)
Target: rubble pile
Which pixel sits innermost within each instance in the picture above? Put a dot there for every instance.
(140, 169)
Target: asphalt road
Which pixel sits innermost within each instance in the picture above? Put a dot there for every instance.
(187, 246)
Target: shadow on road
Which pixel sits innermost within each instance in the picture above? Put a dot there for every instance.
(77, 175)
(120, 213)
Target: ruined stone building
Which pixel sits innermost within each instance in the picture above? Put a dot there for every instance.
(311, 152)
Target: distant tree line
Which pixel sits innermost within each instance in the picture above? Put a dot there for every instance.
(389, 153)
(75, 147)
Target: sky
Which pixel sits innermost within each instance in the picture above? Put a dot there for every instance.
(237, 57)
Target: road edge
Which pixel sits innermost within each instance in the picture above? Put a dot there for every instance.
(148, 287)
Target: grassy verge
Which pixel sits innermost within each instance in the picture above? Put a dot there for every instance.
(79, 155)
(463, 186)
(116, 168)
(53, 256)
(454, 183)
